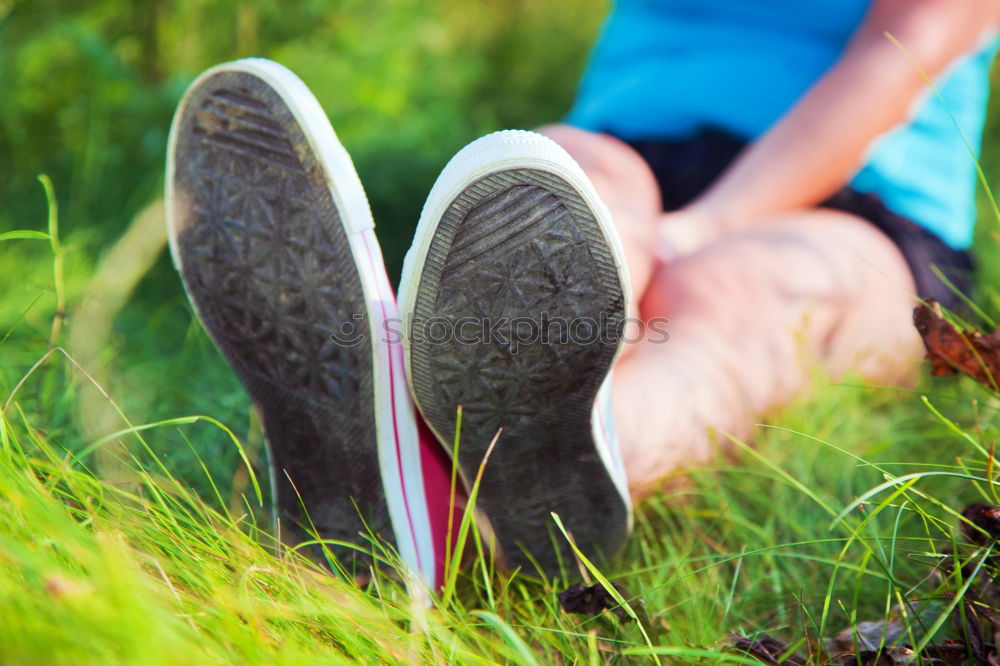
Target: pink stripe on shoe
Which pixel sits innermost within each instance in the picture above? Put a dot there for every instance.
(394, 347)
(437, 468)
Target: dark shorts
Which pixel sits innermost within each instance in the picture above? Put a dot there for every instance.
(684, 169)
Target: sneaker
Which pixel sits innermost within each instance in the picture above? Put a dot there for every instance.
(271, 232)
(514, 297)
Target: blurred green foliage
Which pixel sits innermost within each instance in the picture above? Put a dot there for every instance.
(89, 90)
(90, 87)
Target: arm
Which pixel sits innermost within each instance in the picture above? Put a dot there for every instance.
(821, 141)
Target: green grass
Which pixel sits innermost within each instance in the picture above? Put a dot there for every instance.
(127, 544)
(173, 562)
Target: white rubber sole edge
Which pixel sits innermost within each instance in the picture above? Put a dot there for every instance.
(396, 428)
(518, 149)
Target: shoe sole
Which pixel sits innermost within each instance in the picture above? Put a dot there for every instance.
(513, 231)
(271, 232)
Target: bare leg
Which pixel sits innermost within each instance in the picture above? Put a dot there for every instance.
(749, 317)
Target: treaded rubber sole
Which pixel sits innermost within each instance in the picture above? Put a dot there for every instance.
(266, 261)
(520, 259)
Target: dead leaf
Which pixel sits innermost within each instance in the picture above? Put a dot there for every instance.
(986, 518)
(968, 625)
(765, 649)
(869, 635)
(950, 350)
(592, 600)
(952, 653)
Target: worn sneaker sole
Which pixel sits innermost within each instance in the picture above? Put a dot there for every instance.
(271, 232)
(513, 244)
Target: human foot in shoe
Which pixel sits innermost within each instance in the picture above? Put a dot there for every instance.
(271, 231)
(514, 298)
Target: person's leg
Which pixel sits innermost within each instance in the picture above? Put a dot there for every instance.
(271, 233)
(530, 243)
(750, 316)
(512, 292)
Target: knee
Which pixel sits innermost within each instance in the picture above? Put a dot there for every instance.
(617, 170)
(566, 136)
(589, 149)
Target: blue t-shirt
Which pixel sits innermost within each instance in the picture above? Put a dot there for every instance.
(665, 69)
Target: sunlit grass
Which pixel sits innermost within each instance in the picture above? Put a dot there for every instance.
(841, 514)
(149, 572)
